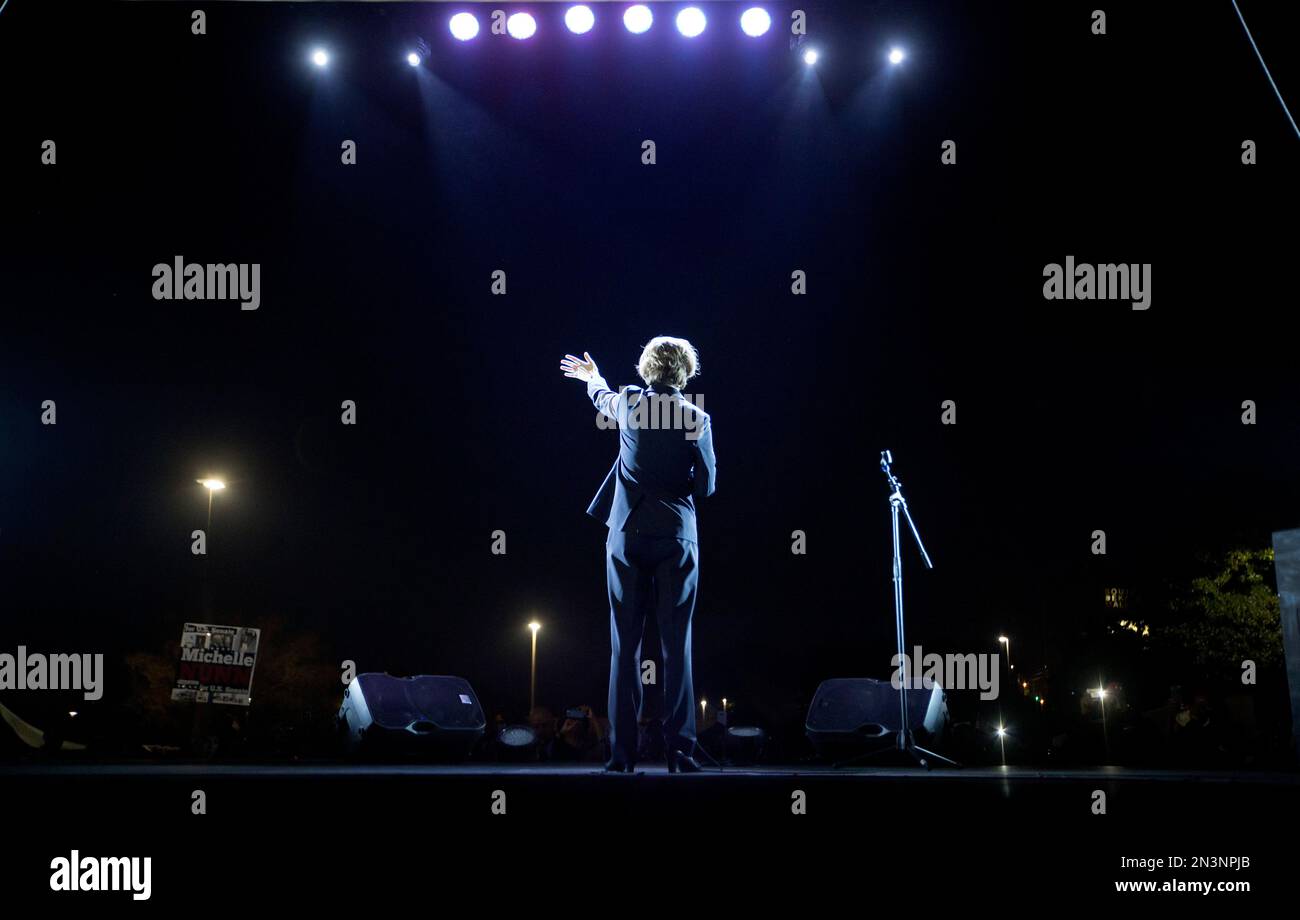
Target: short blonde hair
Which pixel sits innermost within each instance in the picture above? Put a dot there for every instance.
(669, 361)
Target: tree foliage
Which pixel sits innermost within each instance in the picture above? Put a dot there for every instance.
(1231, 614)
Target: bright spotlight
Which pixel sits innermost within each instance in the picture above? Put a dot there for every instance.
(810, 57)
(319, 57)
(413, 59)
(521, 25)
(896, 55)
(579, 19)
(755, 21)
(638, 18)
(464, 26)
(1002, 732)
(691, 21)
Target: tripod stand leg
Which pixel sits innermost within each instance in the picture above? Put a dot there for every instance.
(923, 756)
(918, 751)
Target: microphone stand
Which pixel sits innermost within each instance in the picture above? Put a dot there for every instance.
(903, 737)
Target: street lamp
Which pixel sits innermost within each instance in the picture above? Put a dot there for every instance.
(1007, 642)
(1101, 696)
(213, 486)
(1002, 737)
(532, 680)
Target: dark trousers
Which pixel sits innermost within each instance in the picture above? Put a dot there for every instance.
(645, 573)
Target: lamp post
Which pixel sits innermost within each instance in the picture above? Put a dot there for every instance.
(1006, 640)
(213, 486)
(1105, 738)
(532, 680)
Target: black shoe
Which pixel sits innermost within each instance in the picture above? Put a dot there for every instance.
(619, 766)
(683, 762)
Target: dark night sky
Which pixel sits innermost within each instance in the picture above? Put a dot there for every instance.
(924, 285)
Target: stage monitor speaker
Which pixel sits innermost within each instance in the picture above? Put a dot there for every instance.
(854, 715)
(434, 717)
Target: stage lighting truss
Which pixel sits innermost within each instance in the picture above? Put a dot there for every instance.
(580, 18)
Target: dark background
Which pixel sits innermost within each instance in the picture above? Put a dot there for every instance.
(924, 284)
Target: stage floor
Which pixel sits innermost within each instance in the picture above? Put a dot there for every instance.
(322, 831)
(856, 774)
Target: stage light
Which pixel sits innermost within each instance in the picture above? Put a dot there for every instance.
(417, 51)
(517, 736)
(691, 21)
(521, 25)
(319, 57)
(1002, 732)
(810, 57)
(579, 19)
(517, 744)
(464, 26)
(212, 485)
(744, 744)
(638, 18)
(896, 55)
(755, 21)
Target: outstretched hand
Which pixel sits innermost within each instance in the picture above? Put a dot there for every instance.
(578, 368)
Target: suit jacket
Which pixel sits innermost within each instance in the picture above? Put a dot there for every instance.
(665, 461)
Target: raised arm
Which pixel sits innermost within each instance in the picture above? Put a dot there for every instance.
(598, 390)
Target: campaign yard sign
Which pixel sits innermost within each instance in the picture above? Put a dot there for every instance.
(216, 664)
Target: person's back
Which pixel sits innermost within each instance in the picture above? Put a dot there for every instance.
(659, 452)
(665, 461)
